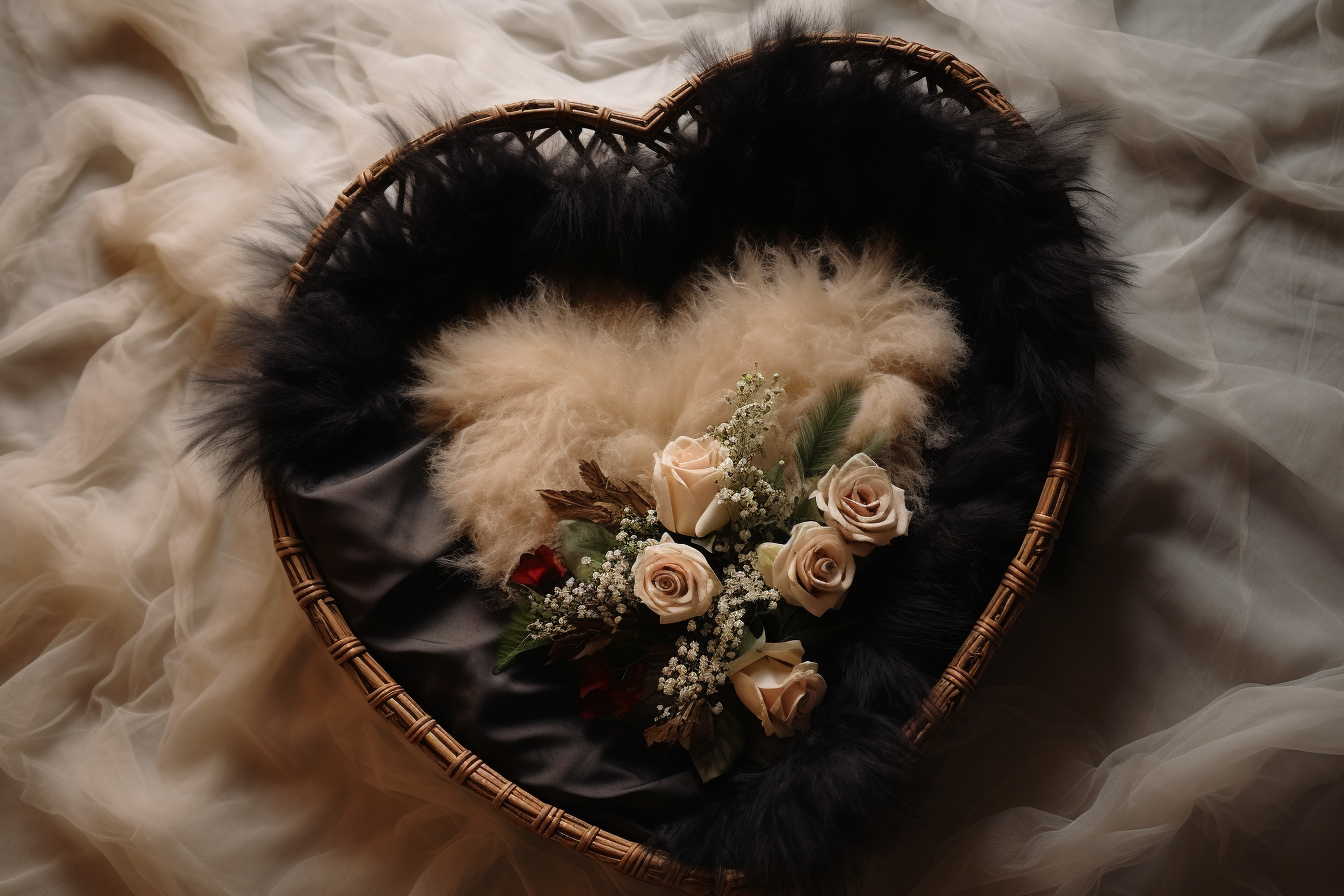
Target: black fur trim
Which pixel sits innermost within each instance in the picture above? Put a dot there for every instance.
(804, 142)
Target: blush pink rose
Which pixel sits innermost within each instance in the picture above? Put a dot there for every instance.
(812, 570)
(780, 689)
(859, 501)
(686, 483)
(675, 581)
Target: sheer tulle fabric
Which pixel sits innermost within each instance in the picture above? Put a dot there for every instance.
(1169, 715)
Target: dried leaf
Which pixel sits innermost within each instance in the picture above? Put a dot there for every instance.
(576, 505)
(593, 646)
(691, 725)
(666, 733)
(698, 728)
(587, 637)
(641, 500)
(615, 491)
(603, 503)
(592, 476)
(717, 753)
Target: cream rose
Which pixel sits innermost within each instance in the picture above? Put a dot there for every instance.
(780, 689)
(812, 570)
(859, 501)
(674, 581)
(686, 483)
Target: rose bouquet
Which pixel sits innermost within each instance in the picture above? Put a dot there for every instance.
(690, 605)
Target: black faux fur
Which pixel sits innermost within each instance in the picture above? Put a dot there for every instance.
(804, 142)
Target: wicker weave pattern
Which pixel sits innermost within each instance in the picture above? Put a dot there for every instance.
(458, 763)
(1015, 588)
(643, 141)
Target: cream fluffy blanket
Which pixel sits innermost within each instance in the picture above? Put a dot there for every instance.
(533, 389)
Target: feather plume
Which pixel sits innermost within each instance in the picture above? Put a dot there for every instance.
(532, 388)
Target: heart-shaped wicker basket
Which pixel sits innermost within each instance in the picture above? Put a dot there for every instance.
(645, 142)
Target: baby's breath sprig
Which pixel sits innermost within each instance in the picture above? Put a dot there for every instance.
(635, 528)
(607, 598)
(700, 666)
(757, 499)
(759, 507)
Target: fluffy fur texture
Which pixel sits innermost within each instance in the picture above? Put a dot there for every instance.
(803, 143)
(539, 385)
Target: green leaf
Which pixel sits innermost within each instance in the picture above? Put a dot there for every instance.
(516, 639)
(714, 757)
(579, 539)
(775, 475)
(821, 434)
(807, 510)
(746, 650)
(778, 622)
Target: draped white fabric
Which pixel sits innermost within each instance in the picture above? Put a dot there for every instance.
(1167, 718)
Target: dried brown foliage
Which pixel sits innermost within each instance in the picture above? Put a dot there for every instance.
(603, 503)
(693, 724)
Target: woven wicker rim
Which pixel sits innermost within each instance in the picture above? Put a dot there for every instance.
(535, 122)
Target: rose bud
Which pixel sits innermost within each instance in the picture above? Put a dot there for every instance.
(780, 690)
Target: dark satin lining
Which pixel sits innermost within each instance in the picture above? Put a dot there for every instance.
(377, 536)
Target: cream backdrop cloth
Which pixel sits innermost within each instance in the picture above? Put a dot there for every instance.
(1168, 717)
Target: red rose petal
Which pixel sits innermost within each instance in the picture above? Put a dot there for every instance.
(539, 570)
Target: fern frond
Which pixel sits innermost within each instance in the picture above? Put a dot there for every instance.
(877, 442)
(821, 433)
(516, 639)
